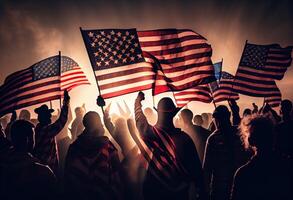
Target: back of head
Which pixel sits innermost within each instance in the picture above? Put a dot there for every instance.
(186, 115)
(222, 116)
(22, 135)
(166, 111)
(25, 115)
(197, 120)
(92, 122)
(260, 130)
(247, 112)
(286, 107)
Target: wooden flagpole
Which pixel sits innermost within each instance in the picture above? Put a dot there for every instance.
(92, 64)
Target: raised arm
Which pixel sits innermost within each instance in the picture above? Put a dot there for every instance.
(235, 112)
(55, 128)
(141, 121)
(107, 120)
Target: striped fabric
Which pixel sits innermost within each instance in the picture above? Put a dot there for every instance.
(260, 65)
(126, 60)
(183, 56)
(275, 99)
(117, 60)
(225, 91)
(40, 83)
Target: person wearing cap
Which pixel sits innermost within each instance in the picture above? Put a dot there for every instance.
(22, 176)
(46, 148)
(224, 154)
(92, 164)
(174, 170)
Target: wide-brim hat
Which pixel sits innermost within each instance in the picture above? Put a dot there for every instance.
(166, 105)
(43, 109)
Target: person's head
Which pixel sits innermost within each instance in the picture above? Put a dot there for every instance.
(79, 112)
(186, 115)
(197, 120)
(222, 116)
(246, 112)
(205, 118)
(93, 124)
(286, 107)
(25, 115)
(166, 111)
(22, 135)
(260, 133)
(44, 114)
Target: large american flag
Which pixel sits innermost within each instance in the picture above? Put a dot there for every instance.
(224, 91)
(40, 83)
(260, 65)
(126, 60)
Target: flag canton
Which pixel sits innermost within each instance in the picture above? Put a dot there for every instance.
(46, 68)
(67, 64)
(254, 56)
(226, 75)
(218, 69)
(112, 48)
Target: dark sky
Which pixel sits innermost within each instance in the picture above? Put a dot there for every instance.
(33, 30)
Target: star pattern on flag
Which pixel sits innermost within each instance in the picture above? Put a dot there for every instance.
(46, 68)
(114, 47)
(254, 56)
(67, 64)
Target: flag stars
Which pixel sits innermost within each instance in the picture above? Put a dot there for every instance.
(127, 33)
(124, 60)
(102, 33)
(112, 32)
(106, 62)
(93, 44)
(98, 64)
(96, 54)
(91, 34)
(139, 56)
(119, 34)
(132, 58)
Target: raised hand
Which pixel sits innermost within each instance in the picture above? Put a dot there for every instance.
(255, 108)
(233, 105)
(140, 96)
(66, 97)
(100, 101)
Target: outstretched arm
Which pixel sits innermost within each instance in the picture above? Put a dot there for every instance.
(55, 128)
(107, 120)
(140, 119)
(235, 112)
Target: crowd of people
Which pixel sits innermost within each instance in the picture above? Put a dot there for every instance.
(166, 153)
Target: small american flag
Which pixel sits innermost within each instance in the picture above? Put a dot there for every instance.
(40, 83)
(259, 67)
(224, 91)
(126, 60)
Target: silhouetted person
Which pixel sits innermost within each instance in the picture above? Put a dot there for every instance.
(197, 120)
(132, 169)
(284, 130)
(267, 175)
(246, 112)
(224, 154)
(5, 144)
(45, 148)
(25, 115)
(77, 125)
(92, 164)
(206, 121)
(4, 121)
(21, 175)
(13, 117)
(198, 134)
(173, 153)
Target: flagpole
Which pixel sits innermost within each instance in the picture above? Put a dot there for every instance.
(237, 68)
(60, 71)
(92, 64)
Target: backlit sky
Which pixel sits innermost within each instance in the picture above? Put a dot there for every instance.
(33, 30)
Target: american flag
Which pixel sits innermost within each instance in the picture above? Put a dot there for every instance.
(275, 99)
(183, 56)
(260, 65)
(126, 60)
(224, 91)
(40, 83)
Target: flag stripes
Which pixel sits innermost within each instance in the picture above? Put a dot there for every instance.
(182, 55)
(259, 67)
(39, 83)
